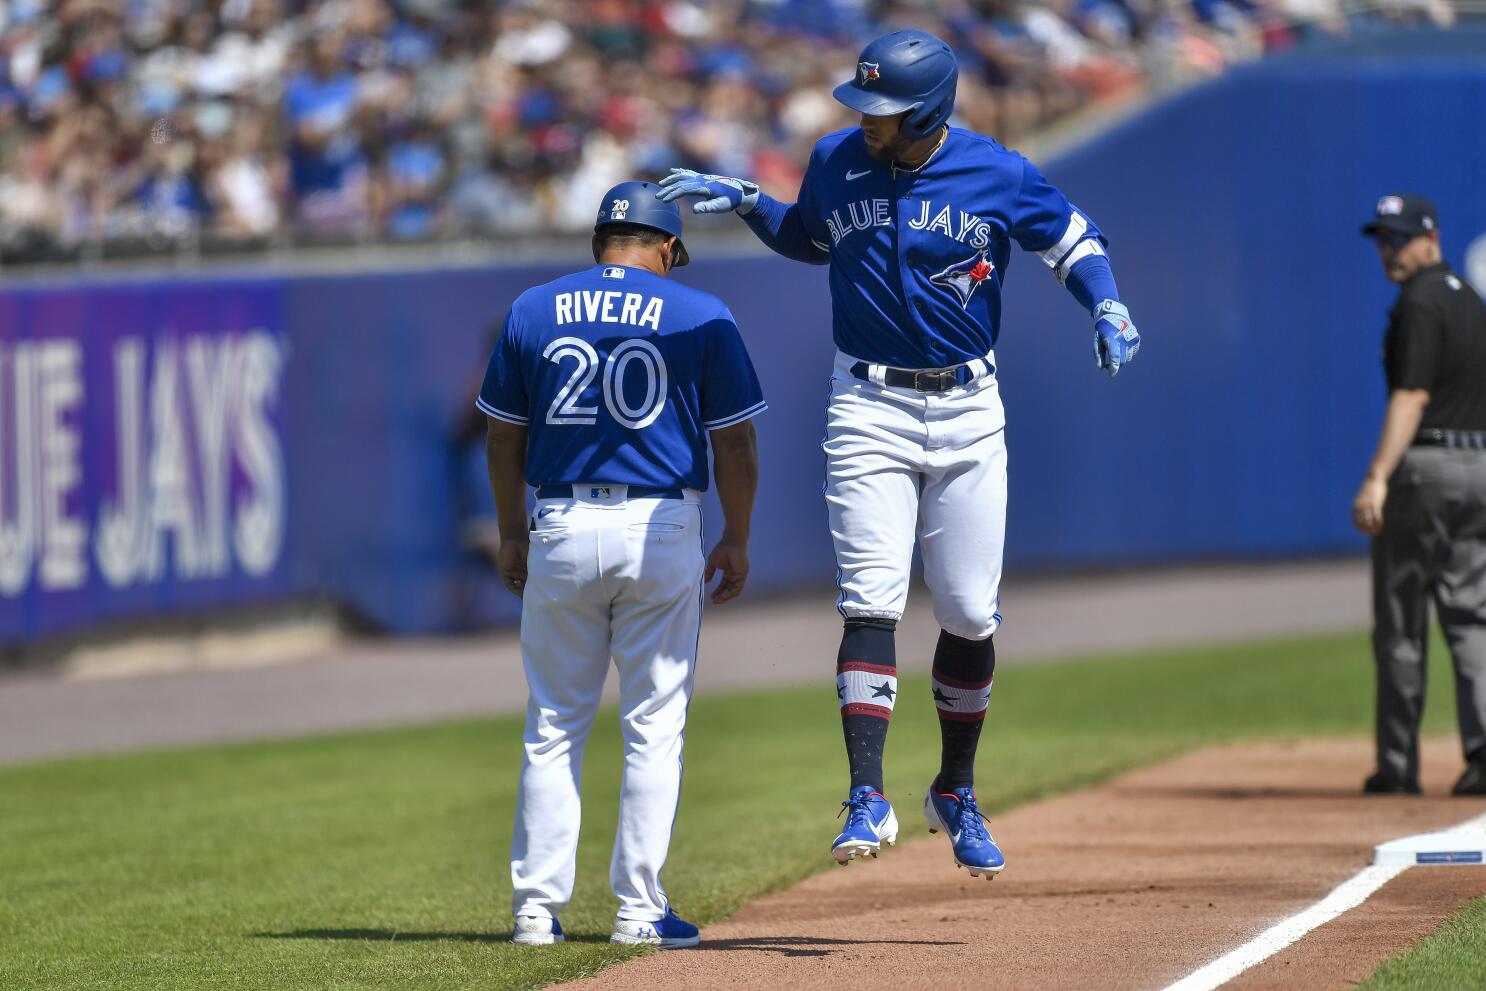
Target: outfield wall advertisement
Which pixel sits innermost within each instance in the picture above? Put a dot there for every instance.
(142, 464)
(171, 446)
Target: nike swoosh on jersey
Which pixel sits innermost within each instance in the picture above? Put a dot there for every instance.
(850, 175)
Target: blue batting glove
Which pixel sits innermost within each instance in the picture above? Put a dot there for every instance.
(1116, 341)
(723, 193)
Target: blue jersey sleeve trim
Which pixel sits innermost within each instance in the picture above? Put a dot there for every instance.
(736, 418)
(781, 228)
(490, 410)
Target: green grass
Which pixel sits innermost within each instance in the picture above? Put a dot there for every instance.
(379, 860)
(1451, 959)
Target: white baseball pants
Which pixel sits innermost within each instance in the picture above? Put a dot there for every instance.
(606, 578)
(902, 464)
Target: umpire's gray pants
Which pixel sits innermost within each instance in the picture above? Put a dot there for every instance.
(1433, 545)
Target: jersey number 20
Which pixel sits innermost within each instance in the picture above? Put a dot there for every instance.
(565, 409)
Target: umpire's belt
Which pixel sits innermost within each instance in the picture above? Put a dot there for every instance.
(924, 379)
(607, 492)
(1473, 440)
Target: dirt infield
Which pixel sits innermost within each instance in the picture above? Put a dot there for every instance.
(1134, 884)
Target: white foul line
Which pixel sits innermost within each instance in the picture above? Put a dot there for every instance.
(1348, 895)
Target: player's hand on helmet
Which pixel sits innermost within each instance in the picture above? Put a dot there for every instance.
(510, 560)
(722, 193)
(1116, 341)
(730, 558)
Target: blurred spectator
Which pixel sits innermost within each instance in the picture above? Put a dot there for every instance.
(247, 183)
(166, 198)
(328, 168)
(414, 172)
(253, 120)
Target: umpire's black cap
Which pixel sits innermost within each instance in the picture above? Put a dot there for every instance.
(1403, 213)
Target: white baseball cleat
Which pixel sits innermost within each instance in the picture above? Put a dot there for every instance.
(536, 930)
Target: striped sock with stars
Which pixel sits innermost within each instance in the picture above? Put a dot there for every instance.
(963, 671)
(866, 690)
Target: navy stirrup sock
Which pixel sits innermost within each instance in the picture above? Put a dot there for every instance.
(963, 671)
(866, 688)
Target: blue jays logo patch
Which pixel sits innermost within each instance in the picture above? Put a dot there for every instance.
(867, 71)
(963, 278)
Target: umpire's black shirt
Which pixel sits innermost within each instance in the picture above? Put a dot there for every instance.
(1436, 341)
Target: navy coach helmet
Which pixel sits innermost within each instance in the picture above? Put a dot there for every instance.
(634, 202)
(908, 70)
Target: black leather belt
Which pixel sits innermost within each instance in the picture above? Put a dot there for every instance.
(602, 492)
(1471, 440)
(919, 380)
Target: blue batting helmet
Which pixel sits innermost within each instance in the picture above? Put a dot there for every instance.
(634, 202)
(907, 70)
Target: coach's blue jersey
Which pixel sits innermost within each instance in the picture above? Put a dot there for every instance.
(618, 375)
(918, 257)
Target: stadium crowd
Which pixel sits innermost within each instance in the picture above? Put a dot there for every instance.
(158, 122)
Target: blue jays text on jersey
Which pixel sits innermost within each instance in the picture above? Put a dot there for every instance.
(918, 256)
(618, 374)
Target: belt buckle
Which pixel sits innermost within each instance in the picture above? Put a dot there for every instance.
(942, 379)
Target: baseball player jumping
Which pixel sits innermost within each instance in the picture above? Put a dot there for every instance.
(916, 220)
(602, 393)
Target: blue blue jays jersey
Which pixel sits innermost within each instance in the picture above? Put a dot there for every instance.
(918, 257)
(618, 374)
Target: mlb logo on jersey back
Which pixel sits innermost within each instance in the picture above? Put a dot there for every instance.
(613, 272)
(868, 72)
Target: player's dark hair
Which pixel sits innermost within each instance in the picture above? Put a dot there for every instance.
(625, 235)
(618, 235)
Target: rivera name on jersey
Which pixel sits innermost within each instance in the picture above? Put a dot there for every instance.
(617, 374)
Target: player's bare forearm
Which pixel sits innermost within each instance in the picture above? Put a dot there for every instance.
(505, 460)
(735, 467)
(1400, 426)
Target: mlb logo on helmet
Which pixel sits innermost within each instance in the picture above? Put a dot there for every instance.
(868, 71)
(1390, 206)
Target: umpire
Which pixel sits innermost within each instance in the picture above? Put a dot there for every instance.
(1430, 472)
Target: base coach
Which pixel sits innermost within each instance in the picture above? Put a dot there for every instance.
(1424, 498)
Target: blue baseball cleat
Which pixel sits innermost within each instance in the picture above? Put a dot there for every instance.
(669, 933)
(536, 930)
(956, 813)
(869, 823)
